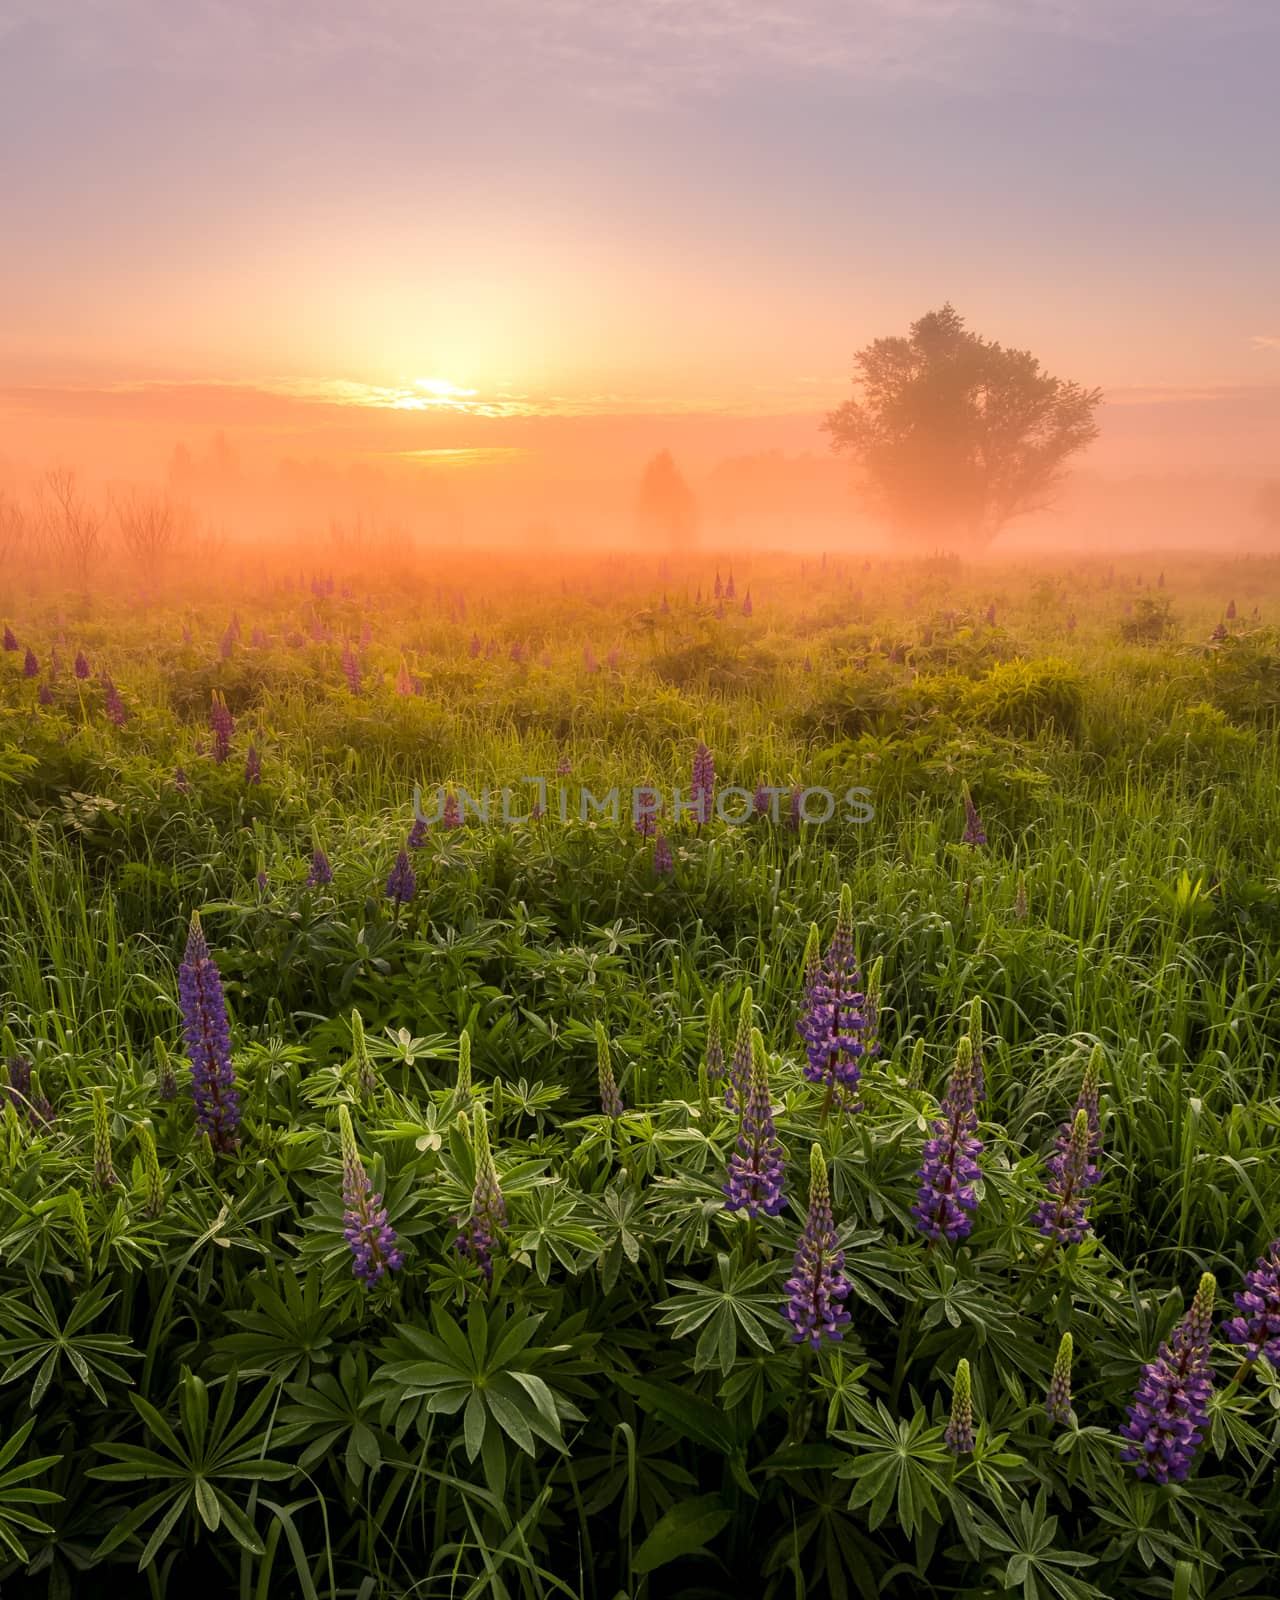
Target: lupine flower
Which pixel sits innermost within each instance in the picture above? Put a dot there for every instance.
(958, 1435)
(730, 593)
(417, 835)
(104, 1173)
(762, 800)
(488, 1215)
(714, 1058)
(462, 1086)
(320, 873)
(812, 966)
(451, 812)
(79, 1225)
(1219, 633)
(25, 1094)
(834, 1024)
(976, 1047)
(404, 683)
(704, 783)
(114, 705)
(1160, 581)
(253, 766)
(718, 591)
(259, 640)
(44, 694)
(817, 1286)
(475, 647)
(663, 862)
(746, 604)
(222, 725)
(10, 643)
(564, 767)
(610, 1099)
(739, 1079)
(974, 832)
(950, 1168)
(261, 880)
(666, 605)
(795, 810)
(180, 780)
(369, 1235)
(1064, 1215)
(366, 632)
(30, 664)
(350, 667)
(1170, 1408)
(366, 1074)
(208, 1038)
(166, 1078)
(1257, 1328)
(757, 1164)
(81, 668)
(1231, 611)
(402, 884)
(1071, 622)
(152, 1176)
(991, 615)
(1057, 1403)
(647, 804)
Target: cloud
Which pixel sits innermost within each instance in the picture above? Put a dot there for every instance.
(1266, 341)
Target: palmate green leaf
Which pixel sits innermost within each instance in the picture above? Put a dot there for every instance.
(737, 1307)
(39, 1339)
(209, 1453)
(898, 1464)
(16, 1492)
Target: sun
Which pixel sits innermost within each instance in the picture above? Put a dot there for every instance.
(442, 389)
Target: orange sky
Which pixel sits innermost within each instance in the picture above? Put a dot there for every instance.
(599, 231)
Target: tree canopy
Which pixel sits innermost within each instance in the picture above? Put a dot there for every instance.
(665, 503)
(954, 435)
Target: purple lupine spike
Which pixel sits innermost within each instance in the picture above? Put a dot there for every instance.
(10, 642)
(370, 1237)
(1257, 1328)
(115, 705)
(1063, 1215)
(762, 800)
(81, 668)
(564, 767)
(730, 592)
(974, 832)
(702, 791)
(991, 615)
(402, 884)
(663, 861)
(746, 604)
(222, 725)
(475, 646)
(180, 780)
(417, 834)
(817, 1287)
(1170, 1408)
(30, 664)
(950, 1168)
(1231, 611)
(834, 1023)
(757, 1165)
(24, 1091)
(44, 694)
(321, 872)
(738, 1080)
(488, 1216)
(208, 1037)
(1219, 633)
(451, 812)
(795, 810)
(404, 682)
(350, 667)
(253, 766)
(646, 804)
(718, 591)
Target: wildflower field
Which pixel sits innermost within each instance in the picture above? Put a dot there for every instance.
(714, 1198)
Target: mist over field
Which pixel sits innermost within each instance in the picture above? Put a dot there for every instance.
(639, 800)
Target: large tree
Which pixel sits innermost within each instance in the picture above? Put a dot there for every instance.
(665, 504)
(954, 435)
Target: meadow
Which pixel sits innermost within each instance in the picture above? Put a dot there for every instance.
(575, 1208)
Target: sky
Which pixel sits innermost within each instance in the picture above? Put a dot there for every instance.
(413, 230)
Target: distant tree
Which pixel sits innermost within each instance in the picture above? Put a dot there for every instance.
(1267, 505)
(665, 504)
(954, 434)
(150, 525)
